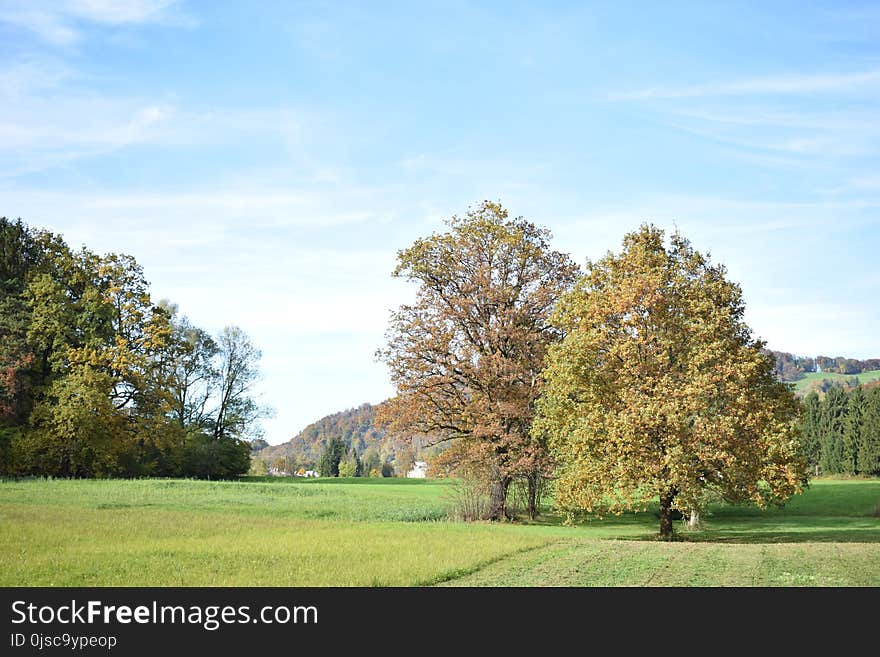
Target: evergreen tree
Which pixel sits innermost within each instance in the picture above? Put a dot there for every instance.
(852, 430)
(328, 465)
(831, 426)
(869, 445)
(811, 444)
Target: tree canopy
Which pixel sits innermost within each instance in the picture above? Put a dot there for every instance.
(659, 390)
(97, 379)
(466, 356)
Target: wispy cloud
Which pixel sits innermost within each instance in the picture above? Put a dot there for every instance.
(47, 121)
(767, 86)
(60, 22)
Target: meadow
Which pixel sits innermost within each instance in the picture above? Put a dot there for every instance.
(393, 532)
(811, 379)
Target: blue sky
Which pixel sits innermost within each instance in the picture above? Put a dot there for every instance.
(265, 161)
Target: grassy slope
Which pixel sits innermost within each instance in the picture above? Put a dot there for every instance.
(387, 532)
(803, 385)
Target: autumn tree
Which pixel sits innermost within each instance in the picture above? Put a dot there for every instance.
(466, 356)
(97, 380)
(19, 257)
(370, 461)
(406, 457)
(660, 390)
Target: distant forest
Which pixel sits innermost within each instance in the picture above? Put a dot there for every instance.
(793, 368)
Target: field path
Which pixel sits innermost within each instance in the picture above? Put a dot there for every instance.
(590, 562)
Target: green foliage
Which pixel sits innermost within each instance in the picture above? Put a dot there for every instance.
(328, 464)
(868, 459)
(98, 381)
(841, 432)
(348, 468)
(206, 457)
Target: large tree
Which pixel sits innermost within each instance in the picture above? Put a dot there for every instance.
(466, 356)
(659, 389)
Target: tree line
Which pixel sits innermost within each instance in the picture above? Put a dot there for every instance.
(792, 368)
(841, 431)
(98, 380)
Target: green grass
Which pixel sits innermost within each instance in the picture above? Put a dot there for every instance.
(804, 385)
(369, 532)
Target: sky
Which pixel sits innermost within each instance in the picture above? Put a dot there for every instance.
(265, 161)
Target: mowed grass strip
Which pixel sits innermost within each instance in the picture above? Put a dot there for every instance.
(60, 546)
(651, 563)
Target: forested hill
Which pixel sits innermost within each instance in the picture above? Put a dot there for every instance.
(354, 426)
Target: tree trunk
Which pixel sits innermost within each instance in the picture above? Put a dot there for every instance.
(498, 498)
(694, 521)
(666, 529)
(533, 495)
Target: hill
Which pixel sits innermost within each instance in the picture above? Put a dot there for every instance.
(821, 381)
(355, 426)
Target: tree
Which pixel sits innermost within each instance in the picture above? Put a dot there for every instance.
(20, 256)
(852, 430)
(328, 465)
(811, 439)
(258, 467)
(832, 424)
(78, 431)
(370, 461)
(405, 459)
(193, 375)
(869, 448)
(238, 411)
(659, 390)
(466, 356)
(350, 466)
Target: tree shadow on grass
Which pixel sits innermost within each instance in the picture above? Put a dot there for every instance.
(731, 528)
(802, 529)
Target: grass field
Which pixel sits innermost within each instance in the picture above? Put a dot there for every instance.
(368, 532)
(804, 385)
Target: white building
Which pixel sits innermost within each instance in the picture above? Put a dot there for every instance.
(419, 471)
